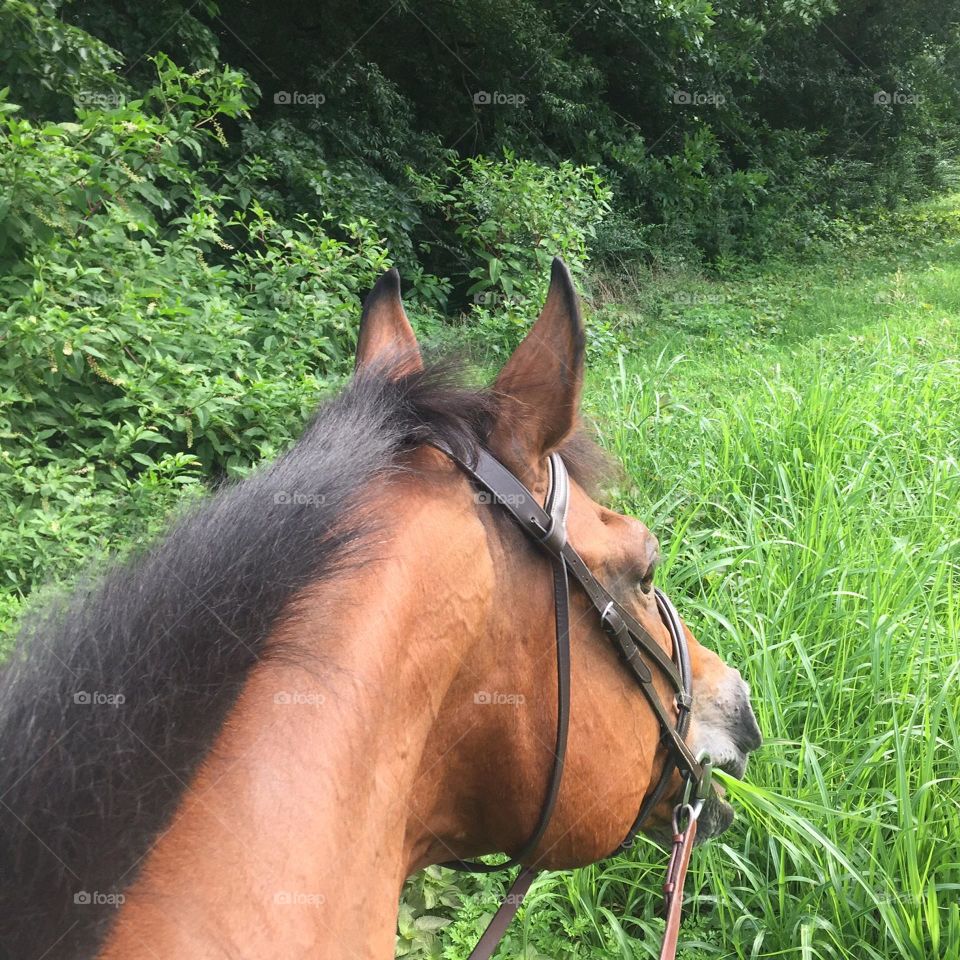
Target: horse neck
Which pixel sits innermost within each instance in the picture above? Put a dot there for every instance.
(331, 779)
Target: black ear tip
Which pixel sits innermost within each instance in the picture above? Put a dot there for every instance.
(387, 287)
(562, 282)
(560, 276)
(388, 283)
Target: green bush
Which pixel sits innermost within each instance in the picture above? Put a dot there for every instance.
(724, 130)
(512, 217)
(159, 325)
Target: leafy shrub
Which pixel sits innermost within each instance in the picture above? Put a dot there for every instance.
(303, 180)
(55, 64)
(159, 324)
(512, 216)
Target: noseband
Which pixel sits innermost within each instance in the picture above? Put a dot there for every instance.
(547, 526)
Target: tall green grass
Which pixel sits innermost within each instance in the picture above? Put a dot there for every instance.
(807, 497)
(792, 435)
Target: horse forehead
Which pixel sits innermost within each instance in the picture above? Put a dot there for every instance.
(606, 537)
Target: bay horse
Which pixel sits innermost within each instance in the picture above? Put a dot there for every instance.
(241, 741)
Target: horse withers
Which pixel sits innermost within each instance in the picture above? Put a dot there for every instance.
(241, 741)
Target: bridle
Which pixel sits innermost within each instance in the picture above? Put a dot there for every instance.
(547, 526)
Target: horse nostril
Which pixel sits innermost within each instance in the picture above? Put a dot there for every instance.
(747, 732)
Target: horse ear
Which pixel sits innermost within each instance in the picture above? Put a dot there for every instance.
(386, 339)
(540, 385)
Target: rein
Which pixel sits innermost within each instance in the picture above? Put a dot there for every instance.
(547, 526)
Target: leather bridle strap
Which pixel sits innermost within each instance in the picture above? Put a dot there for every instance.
(547, 526)
(680, 851)
(632, 639)
(555, 510)
(510, 493)
(497, 927)
(669, 615)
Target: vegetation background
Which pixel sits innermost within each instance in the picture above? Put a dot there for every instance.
(758, 201)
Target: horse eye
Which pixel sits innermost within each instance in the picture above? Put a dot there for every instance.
(646, 581)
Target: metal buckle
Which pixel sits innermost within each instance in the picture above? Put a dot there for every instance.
(692, 812)
(611, 620)
(696, 791)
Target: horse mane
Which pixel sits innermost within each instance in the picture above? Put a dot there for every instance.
(114, 694)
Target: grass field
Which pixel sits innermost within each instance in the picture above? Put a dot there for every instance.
(792, 435)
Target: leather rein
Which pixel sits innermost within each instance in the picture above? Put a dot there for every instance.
(547, 526)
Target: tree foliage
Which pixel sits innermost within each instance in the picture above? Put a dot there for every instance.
(723, 128)
(193, 199)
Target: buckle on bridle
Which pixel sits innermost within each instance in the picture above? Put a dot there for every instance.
(697, 789)
(684, 814)
(684, 831)
(616, 630)
(611, 620)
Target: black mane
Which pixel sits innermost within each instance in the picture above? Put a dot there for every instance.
(114, 695)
